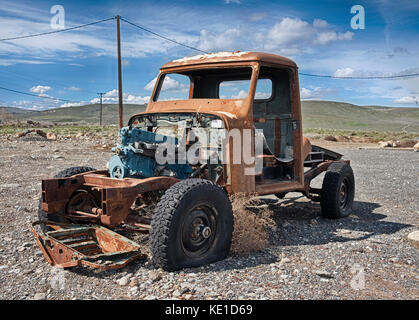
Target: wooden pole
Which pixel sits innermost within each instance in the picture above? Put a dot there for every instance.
(101, 107)
(120, 106)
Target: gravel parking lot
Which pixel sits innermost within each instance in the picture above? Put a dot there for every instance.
(364, 256)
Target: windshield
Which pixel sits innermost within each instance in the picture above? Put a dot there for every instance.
(220, 83)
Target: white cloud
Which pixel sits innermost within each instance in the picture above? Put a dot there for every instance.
(169, 84)
(290, 36)
(40, 89)
(262, 95)
(344, 72)
(315, 93)
(230, 40)
(290, 31)
(329, 36)
(73, 104)
(408, 100)
(232, 1)
(241, 95)
(320, 23)
(112, 97)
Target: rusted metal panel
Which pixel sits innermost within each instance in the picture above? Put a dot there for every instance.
(91, 245)
(229, 58)
(116, 195)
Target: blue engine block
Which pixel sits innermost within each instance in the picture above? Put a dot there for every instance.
(132, 160)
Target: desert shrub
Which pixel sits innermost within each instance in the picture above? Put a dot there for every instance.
(407, 143)
(252, 222)
(330, 138)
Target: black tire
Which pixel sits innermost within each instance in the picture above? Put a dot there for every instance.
(338, 191)
(179, 236)
(42, 215)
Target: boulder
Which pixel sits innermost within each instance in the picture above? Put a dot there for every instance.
(413, 238)
(384, 144)
(51, 136)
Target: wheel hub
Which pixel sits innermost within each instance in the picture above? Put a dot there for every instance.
(205, 232)
(198, 230)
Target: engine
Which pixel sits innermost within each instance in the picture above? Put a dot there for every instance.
(135, 156)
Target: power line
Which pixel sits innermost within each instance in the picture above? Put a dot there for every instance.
(56, 31)
(32, 78)
(163, 37)
(37, 96)
(360, 78)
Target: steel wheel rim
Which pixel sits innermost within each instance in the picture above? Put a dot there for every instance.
(344, 193)
(199, 230)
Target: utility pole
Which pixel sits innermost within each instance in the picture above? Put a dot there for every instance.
(101, 110)
(120, 107)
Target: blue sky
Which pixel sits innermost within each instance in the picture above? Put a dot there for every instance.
(75, 65)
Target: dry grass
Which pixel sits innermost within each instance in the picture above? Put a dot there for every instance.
(252, 222)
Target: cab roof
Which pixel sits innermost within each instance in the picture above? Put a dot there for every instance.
(227, 57)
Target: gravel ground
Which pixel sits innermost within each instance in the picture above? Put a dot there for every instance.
(364, 256)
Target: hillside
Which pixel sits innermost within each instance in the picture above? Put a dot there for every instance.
(82, 114)
(316, 114)
(345, 116)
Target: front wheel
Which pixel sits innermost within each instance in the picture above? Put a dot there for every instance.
(192, 225)
(338, 191)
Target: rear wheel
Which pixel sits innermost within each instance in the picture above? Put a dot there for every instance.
(338, 191)
(42, 215)
(192, 225)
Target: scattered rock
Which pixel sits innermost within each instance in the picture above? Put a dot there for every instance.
(51, 136)
(416, 147)
(324, 274)
(39, 296)
(413, 238)
(79, 135)
(123, 281)
(176, 293)
(384, 144)
(154, 276)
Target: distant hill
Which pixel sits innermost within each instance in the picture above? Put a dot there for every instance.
(316, 114)
(13, 111)
(82, 114)
(346, 116)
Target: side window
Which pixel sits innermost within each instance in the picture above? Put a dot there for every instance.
(263, 89)
(174, 87)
